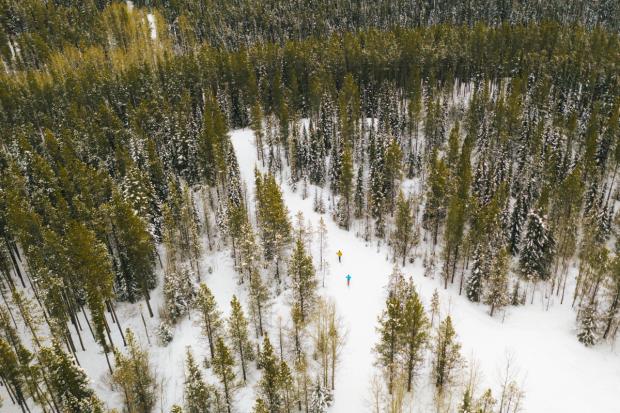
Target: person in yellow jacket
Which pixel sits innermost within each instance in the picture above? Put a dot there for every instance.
(339, 254)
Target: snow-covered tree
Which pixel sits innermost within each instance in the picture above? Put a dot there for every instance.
(198, 395)
(68, 383)
(588, 321)
(320, 399)
(537, 250)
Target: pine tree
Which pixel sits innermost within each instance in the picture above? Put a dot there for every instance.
(287, 384)
(345, 188)
(197, 394)
(497, 288)
(11, 375)
(210, 316)
(223, 364)
(435, 211)
(273, 221)
(269, 387)
(303, 279)
(414, 333)
(249, 254)
(447, 359)
(136, 252)
(403, 236)
(90, 263)
(260, 407)
(68, 383)
(390, 338)
(238, 333)
(134, 376)
(259, 301)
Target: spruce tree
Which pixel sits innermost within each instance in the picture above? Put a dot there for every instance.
(537, 250)
(179, 292)
(479, 272)
(588, 325)
(320, 399)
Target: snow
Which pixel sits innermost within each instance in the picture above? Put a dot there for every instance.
(152, 26)
(557, 372)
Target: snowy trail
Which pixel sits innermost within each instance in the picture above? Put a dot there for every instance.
(357, 305)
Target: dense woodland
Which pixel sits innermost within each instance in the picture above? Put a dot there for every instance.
(116, 162)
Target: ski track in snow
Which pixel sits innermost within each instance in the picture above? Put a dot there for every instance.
(557, 372)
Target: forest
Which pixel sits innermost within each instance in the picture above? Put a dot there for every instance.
(176, 177)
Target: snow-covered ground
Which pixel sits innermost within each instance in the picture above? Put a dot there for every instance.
(557, 373)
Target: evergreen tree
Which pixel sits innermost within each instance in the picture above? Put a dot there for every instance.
(179, 292)
(359, 197)
(537, 250)
(497, 290)
(303, 279)
(197, 394)
(415, 333)
(260, 407)
(447, 359)
(403, 236)
(434, 212)
(390, 337)
(479, 272)
(90, 262)
(68, 383)
(320, 399)
(134, 376)
(259, 301)
(238, 333)
(223, 364)
(273, 221)
(269, 387)
(210, 316)
(587, 332)
(519, 216)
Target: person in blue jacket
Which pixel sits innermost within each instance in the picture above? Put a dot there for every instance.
(348, 277)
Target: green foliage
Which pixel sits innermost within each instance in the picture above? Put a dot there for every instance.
(134, 377)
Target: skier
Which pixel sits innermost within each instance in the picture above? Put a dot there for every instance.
(339, 254)
(348, 277)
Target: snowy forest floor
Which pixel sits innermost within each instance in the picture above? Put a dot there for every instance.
(557, 373)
